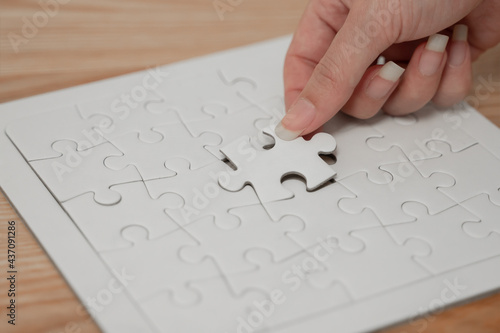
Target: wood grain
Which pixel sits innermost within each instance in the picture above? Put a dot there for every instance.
(88, 40)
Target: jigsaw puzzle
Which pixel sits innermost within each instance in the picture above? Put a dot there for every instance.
(172, 183)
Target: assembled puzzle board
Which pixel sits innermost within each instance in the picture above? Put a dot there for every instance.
(138, 189)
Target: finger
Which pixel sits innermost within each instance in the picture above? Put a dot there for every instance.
(373, 90)
(457, 76)
(337, 74)
(421, 79)
(310, 42)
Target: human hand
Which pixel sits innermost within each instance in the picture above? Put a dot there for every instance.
(329, 65)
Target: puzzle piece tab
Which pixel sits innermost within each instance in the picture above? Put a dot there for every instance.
(386, 200)
(232, 125)
(349, 268)
(451, 246)
(77, 172)
(128, 108)
(212, 92)
(474, 169)
(487, 212)
(201, 193)
(353, 154)
(289, 279)
(217, 311)
(150, 158)
(156, 267)
(35, 135)
(412, 132)
(255, 230)
(321, 214)
(102, 225)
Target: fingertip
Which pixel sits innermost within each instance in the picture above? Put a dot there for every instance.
(286, 134)
(459, 47)
(422, 77)
(300, 115)
(375, 87)
(431, 59)
(391, 71)
(457, 76)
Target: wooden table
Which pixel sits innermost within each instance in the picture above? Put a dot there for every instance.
(88, 40)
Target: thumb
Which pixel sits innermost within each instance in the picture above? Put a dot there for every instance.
(366, 33)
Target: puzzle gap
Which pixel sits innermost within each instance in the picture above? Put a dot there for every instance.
(330, 159)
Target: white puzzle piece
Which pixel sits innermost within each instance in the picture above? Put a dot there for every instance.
(129, 111)
(218, 310)
(266, 77)
(212, 92)
(487, 212)
(451, 246)
(267, 274)
(256, 229)
(162, 269)
(348, 267)
(193, 242)
(349, 132)
(298, 157)
(35, 135)
(471, 168)
(412, 132)
(288, 279)
(232, 125)
(102, 225)
(323, 217)
(79, 172)
(150, 158)
(201, 193)
(464, 116)
(386, 200)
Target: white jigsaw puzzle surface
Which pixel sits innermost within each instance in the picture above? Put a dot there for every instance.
(169, 205)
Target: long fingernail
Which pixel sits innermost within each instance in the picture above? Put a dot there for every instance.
(433, 54)
(384, 81)
(458, 47)
(300, 115)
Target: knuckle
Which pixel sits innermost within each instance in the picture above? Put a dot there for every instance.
(382, 18)
(327, 73)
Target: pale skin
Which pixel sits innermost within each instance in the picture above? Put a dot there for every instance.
(429, 46)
